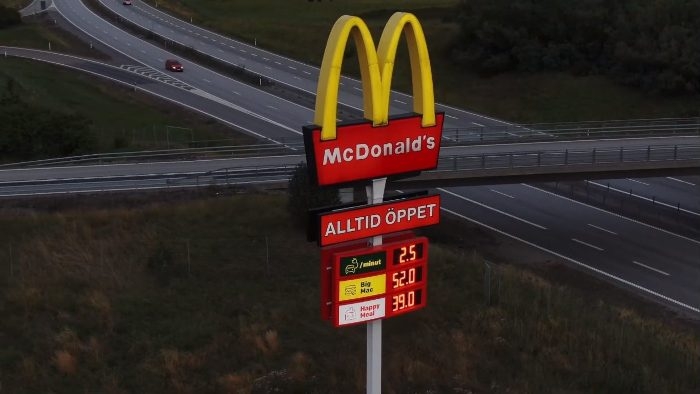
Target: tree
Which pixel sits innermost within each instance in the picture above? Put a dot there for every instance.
(304, 196)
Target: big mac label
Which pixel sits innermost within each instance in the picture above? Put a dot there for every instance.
(372, 220)
(362, 151)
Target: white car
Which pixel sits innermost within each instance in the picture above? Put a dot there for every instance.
(126, 2)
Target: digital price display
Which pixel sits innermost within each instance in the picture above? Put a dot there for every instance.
(406, 301)
(377, 282)
(409, 252)
(405, 277)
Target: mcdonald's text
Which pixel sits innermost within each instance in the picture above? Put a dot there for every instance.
(362, 151)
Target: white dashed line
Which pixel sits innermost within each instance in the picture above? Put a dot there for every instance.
(602, 229)
(477, 124)
(292, 67)
(400, 102)
(651, 268)
(587, 244)
(681, 181)
(501, 193)
(450, 116)
(634, 180)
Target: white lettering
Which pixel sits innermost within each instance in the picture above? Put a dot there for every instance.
(330, 230)
(362, 151)
(331, 156)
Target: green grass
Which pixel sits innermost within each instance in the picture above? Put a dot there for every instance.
(221, 295)
(516, 97)
(121, 118)
(17, 4)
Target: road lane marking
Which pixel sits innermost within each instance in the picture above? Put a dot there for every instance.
(617, 215)
(646, 198)
(634, 180)
(293, 68)
(602, 229)
(478, 124)
(400, 102)
(587, 244)
(206, 80)
(501, 193)
(307, 73)
(681, 181)
(651, 268)
(580, 264)
(493, 209)
(271, 107)
(450, 116)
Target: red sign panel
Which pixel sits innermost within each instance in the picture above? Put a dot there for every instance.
(362, 151)
(372, 220)
(328, 259)
(361, 293)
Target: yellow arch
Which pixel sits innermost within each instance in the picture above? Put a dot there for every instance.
(376, 70)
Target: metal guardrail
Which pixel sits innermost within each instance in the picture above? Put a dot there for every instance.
(561, 132)
(232, 176)
(573, 131)
(558, 158)
(535, 159)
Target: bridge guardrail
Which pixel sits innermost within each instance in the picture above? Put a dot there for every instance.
(549, 158)
(451, 137)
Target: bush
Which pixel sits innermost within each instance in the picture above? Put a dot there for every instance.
(304, 196)
(645, 43)
(9, 17)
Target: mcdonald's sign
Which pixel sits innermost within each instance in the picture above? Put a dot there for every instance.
(382, 145)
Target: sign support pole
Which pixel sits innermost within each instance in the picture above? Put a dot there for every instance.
(375, 195)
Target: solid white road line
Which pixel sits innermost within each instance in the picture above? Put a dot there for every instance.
(646, 198)
(492, 208)
(569, 259)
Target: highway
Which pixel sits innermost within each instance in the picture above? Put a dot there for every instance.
(644, 259)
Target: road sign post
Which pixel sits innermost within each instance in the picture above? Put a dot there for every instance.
(371, 151)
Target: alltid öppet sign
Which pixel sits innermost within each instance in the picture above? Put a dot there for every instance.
(372, 220)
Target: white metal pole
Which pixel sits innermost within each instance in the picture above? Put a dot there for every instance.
(375, 195)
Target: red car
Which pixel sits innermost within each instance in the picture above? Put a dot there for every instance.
(173, 65)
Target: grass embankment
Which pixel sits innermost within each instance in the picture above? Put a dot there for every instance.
(221, 296)
(121, 119)
(523, 97)
(17, 4)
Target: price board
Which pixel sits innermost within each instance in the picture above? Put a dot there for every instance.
(376, 282)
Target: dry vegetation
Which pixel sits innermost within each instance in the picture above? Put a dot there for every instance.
(220, 295)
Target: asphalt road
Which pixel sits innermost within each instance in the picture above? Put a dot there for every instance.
(632, 255)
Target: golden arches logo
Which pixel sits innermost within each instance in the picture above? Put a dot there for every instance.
(376, 69)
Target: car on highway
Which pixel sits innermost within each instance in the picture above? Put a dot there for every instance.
(173, 65)
(126, 2)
